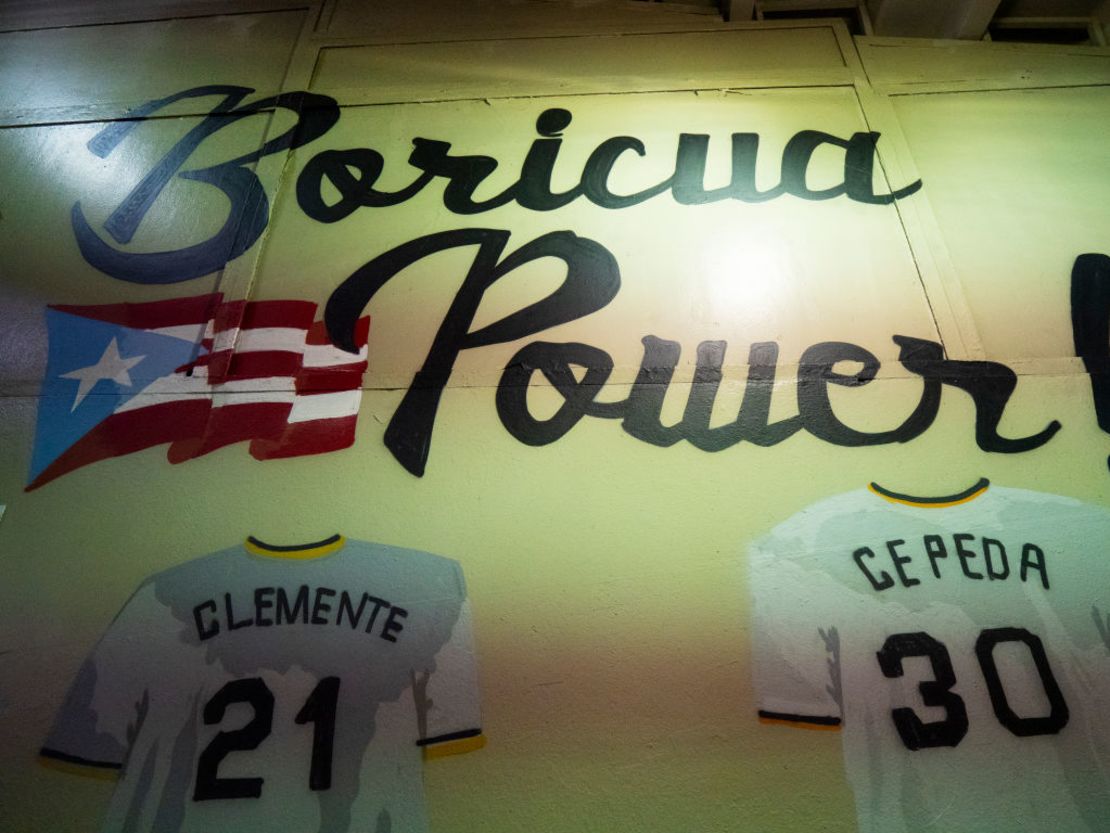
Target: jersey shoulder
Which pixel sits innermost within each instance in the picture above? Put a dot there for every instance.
(806, 531)
(1051, 505)
(412, 565)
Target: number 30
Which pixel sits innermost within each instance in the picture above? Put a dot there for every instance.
(917, 734)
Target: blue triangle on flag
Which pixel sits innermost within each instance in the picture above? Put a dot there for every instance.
(91, 370)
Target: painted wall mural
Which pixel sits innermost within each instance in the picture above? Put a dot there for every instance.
(774, 383)
(945, 635)
(286, 636)
(218, 373)
(593, 279)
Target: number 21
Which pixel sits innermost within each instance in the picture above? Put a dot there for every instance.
(318, 709)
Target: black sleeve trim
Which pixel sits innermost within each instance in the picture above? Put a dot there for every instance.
(463, 735)
(55, 755)
(815, 720)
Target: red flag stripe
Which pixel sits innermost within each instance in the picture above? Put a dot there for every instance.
(232, 423)
(255, 365)
(318, 436)
(125, 432)
(151, 315)
(229, 316)
(316, 380)
(318, 333)
(245, 315)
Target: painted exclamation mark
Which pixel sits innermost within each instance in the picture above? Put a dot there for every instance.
(1090, 326)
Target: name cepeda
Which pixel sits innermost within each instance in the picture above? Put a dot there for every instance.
(988, 555)
(266, 607)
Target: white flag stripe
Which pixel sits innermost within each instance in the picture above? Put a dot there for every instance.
(223, 399)
(167, 389)
(225, 340)
(342, 403)
(140, 402)
(328, 355)
(268, 384)
(288, 339)
(185, 332)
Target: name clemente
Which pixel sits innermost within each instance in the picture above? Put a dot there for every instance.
(266, 607)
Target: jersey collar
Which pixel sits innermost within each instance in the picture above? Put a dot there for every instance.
(966, 496)
(300, 552)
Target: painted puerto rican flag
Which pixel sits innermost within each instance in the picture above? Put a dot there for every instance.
(210, 373)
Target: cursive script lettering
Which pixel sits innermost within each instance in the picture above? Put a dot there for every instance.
(249, 208)
(640, 411)
(592, 280)
(353, 173)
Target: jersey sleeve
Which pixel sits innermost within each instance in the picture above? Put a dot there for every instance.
(795, 643)
(448, 702)
(107, 700)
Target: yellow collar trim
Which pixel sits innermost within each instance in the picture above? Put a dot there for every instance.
(965, 496)
(300, 552)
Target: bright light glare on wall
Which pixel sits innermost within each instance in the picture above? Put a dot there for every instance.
(745, 280)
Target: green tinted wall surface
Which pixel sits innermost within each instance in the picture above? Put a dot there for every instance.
(648, 312)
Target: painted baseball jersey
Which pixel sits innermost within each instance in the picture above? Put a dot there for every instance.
(960, 644)
(268, 688)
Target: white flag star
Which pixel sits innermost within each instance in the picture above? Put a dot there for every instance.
(111, 365)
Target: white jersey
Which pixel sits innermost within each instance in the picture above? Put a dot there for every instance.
(277, 688)
(961, 645)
